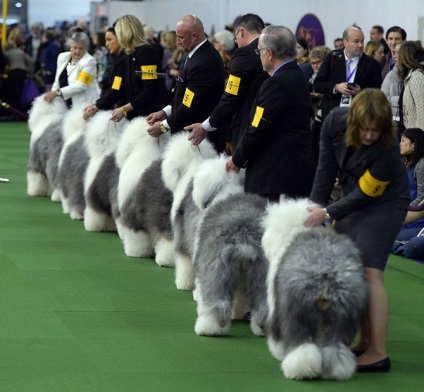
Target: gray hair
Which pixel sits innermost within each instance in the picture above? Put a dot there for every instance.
(76, 34)
(226, 38)
(281, 40)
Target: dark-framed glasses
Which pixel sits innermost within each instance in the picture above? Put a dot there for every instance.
(258, 51)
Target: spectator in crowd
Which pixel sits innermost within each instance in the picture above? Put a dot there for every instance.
(75, 79)
(19, 66)
(199, 86)
(168, 40)
(114, 96)
(49, 52)
(392, 86)
(223, 42)
(344, 73)
(302, 49)
(276, 148)
(146, 92)
(316, 57)
(100, 54)
(359, 145)
(338, 43)
(245, 79)
(411, 71)
(374, 49)
(394, 35)
(410, 240)
(377, 35)
(33, 44)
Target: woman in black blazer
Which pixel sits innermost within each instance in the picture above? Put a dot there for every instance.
(359, 145)
(144, 93)
(114, 96)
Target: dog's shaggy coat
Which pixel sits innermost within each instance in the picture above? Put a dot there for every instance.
(73, 163)
(137, 150)
(228, 256)
(101, 181)
(180, 162)
(316, 294)
(45, 124)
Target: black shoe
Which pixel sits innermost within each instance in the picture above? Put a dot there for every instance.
(376, 367)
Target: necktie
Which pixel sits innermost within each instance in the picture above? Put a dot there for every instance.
(348, 70)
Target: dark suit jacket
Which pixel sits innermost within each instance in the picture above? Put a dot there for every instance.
(276, 149)
(333, 71)
(114, 96)
(375, 191)
(246, 77)
(383, 165)
(146, 93)
(198, 90)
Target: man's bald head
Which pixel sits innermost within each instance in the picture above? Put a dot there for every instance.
(190, 32)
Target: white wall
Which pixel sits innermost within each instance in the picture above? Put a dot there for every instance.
(335, 15)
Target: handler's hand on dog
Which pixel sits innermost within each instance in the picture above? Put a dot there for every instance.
(316, 217)
(197, 134)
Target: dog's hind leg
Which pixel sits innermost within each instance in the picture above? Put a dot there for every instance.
(218, 278)
(37, 184)
(164, 252)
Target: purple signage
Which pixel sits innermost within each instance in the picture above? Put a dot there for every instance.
(311, 29)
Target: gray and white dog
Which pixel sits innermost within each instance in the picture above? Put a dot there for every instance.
(230, 265)
(45, 124)
(73, 163)
(316, 294)
(180, 162)
(136, 151)
(101, 180)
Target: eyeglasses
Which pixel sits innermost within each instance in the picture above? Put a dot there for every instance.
(315, 62)
(258, 51)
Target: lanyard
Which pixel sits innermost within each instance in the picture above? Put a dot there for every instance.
(352, 72)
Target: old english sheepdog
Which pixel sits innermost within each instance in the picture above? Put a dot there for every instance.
(147, 211)
(316, 294)
(230, 265)
(45, 124)
(136, 151)
(73, 163)
(180, 162)
(101, 180)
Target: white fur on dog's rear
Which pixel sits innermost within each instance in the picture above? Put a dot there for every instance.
(135, 153)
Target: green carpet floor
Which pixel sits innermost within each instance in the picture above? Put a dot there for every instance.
(76, 314)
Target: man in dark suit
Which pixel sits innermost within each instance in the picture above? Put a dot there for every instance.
(344, 73)
(246, 76)
(199, 86)
(276, 149)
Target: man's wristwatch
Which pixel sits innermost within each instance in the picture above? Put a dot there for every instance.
(327, 215)
(163, 129)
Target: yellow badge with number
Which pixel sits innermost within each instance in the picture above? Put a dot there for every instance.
(371, 186)
(149, 72)
(117, 80)
(188, 97)
(85, 78)
(258, 116)
(233, 85)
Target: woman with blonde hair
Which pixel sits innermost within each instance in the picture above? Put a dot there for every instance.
(360, 147)
(145, 92)
(374, 49)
